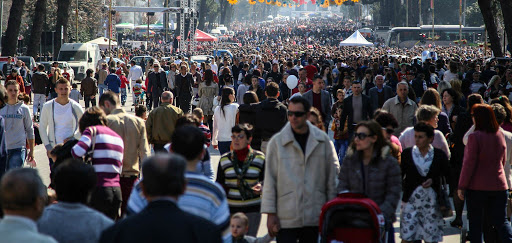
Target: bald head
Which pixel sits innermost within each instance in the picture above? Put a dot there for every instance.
(167, 96)
(22, 192)
(163, 176)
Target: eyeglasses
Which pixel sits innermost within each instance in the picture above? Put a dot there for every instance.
(361, 135)
(296, 113)
(239, 136)
(388, 130)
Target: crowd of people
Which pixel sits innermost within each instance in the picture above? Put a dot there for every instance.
(402, 131)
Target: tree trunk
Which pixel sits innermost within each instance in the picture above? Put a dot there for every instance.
(62, 20)
(506, 10)
(37, 28)
(203, 12)
(223, 11)
(490, 24)
(10, 41)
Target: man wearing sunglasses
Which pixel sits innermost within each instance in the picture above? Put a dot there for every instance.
(157, 83)
(300, 176)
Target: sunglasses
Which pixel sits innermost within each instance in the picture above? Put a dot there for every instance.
(296, 113)
(389, 130)
(361, 135)
(239, 136)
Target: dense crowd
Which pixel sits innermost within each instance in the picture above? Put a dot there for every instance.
(403, 131)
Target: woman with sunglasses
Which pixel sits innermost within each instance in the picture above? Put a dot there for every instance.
(482, 179)
(370, 169)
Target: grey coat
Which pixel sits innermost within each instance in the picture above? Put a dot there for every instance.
(384, 182)
(326, 103)
(374, 95)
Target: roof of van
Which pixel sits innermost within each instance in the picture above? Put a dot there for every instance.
(77, 46)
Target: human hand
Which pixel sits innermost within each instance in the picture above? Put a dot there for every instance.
(30, 156)
(460, 193)
(273, 225)
(427, 183)
(216, 147)
(92, 97)
(257, 189)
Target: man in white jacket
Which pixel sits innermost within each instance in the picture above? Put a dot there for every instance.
(59, 118)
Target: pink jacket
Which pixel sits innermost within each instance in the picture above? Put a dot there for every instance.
(484, 161)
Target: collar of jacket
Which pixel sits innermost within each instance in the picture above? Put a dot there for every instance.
(384, 152)
(397, 101)
(315, 137)
(117, 111)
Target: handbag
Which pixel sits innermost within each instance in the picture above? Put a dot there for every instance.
(443, 200)
(88, 156)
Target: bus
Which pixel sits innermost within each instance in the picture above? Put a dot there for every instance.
(444, 35)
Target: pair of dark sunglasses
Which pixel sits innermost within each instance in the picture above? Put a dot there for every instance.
(361, 135)
(389, 130)
(296, 113)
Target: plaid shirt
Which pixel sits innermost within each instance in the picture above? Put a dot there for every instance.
(207, 134)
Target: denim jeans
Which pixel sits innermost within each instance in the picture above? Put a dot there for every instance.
(123, 95)
(494, 204)
(102, 88)
(89, 101)
(224, 147)
(39, 100)
(341, 145)
(16, 157)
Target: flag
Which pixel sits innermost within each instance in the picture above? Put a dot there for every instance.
(432, 4)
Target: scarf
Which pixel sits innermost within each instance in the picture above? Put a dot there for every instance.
(423, 163)
(240, 168)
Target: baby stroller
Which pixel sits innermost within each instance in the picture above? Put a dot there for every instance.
(351, 218)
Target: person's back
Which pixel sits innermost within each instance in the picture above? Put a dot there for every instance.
(102, 75)
(271, 118)
(160, 123)
(19, 229)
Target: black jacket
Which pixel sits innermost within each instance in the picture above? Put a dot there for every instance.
(271, 118)
(39, 83)
(247, 114)
(348, 112)
(157, 83)
(184, 86)
(411, 178)
(162, 221)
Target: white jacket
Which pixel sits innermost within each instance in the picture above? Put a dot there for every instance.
(223, 122)
(47, 125)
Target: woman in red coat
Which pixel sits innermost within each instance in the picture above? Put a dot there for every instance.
(19, 79)
(482, 179)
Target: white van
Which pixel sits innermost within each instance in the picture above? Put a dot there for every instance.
(80, 56)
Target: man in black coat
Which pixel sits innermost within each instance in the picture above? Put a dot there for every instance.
(157, 83)
(271, 115)
(162, 220)
(380, 93)
(184, 82)
(356, 108)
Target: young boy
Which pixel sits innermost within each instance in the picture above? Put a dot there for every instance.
(124, 82)
(198, 112)
(340, 96)
(75, 94)
(141, 111)
(341, 140)
(347, 84)
(137, 92)
(239, 225)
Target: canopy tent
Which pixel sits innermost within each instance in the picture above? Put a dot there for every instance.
(103, 42)
(202, 36)
(125, 26)
(356, 39)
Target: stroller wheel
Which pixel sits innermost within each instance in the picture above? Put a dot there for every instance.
(463, 235)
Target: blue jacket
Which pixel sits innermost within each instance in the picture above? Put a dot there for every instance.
(113, 83)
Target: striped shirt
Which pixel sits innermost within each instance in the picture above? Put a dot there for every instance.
(227, 177)
(107, 157)
(202, 197)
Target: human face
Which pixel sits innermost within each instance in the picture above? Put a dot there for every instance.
(240, 140)
(346, 83)
(303, 75)
(447, 98)
(319, 84)
(433, 121)
(183, 70)
(156, 68)
(356, 89)
(313, 119)
(297, 122)
(379, 80)
(63, 90)
(340, 96)
(421, 139)
(13, 92)
(366, 143)
(302, 88)
(238, 229)
(402, 90)
(255, 82)
(387, 132)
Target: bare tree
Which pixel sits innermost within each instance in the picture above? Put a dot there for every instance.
(62, 22)
(490, 24)
(10, 41)
(506, 10)
(37, 28)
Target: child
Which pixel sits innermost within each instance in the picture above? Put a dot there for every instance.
(198, 112)
(347, 84)
(141, 111)
(124, 82)
(340, 96)
(340, 135)
(75, 94)
(239, 225)
(137, 91)
(65, 74)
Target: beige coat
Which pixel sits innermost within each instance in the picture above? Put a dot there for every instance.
(297, 185)
(404, 114)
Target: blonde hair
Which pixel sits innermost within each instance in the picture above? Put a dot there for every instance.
(242, 217)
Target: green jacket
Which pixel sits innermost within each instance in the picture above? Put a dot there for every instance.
(161, 123)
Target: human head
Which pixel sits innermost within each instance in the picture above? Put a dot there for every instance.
(250, 97)
(356, 88)
(163, 176)
(13, 90)
(141, 111)
(239, 225)
(14, 72)
(379, 80)
(347, 82)
(183, 69)
(272, 90)
(431, 97)
(298, 112)
(303, 74)
(387, 121)
(74, 181)
(318, 84)
(188, 141)
(108, 102)
(40, 67)
(167, 97)
(368, 136)
(228, 96)
(484, 118)
(315, 117)
(423, 135)
(241, 135)
(188, 120)
(254, 81)
(340, 94)
(503, 100)
(474, 99)
(198, 113)
(22, 193)
(499, 112)
(450, 97)
(93, 116)
(428, 114)
(402, 90)
(62, 88)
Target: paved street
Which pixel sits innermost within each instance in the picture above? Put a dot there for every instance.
(451, 234)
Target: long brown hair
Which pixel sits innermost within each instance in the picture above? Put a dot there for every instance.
(375, 130)
(485, 120)
(431, 97)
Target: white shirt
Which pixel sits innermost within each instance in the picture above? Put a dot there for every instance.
(135, 73)
(223, 122)
(63, 119)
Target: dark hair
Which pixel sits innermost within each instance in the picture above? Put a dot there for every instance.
(140, 109)
(188, 119)
(62, 81)
(313, 111)
(375, 130)
(431, 97)
(198, 113)
(503, 100)
(272, 89)
(226, 92)
(74, 181)
(485, 120)
(256, 73)
(93, 116)
(164, 175)
(243, 127)
(74, 86)
(474, 99)
(385, 118)
(453, 94)
(12, 82)
(109, 96)
(208, 77)
(89, 72)
(20, 188)
(40, 67)
(188, 141)
(424, 127)
(250, 97)
(301, 100)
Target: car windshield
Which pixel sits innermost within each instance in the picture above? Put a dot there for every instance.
(73, 56)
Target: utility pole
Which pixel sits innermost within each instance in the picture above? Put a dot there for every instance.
(110, 26)
(419, 5)
(1, 22)
(148, 25)
(406, 13)
(166, 20)
(76, 16)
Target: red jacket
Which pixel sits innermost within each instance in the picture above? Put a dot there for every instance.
(124, 81)
(484, 162)
(19, 80)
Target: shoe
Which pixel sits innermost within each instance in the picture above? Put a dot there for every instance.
(456, 224)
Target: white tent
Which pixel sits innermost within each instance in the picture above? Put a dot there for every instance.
(103, 42)
(356, 39)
